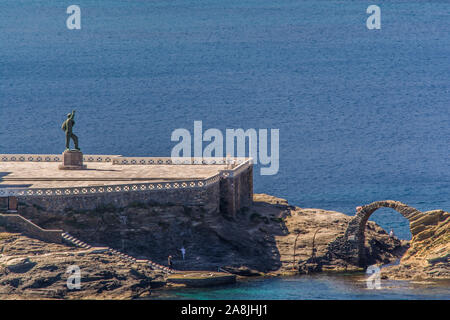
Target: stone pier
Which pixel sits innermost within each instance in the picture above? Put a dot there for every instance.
(211, 184)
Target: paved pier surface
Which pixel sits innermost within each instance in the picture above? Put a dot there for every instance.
(47, 175)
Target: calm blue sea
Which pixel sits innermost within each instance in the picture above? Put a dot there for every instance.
(363, 114)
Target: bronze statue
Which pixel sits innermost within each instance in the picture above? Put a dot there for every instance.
(67, 127)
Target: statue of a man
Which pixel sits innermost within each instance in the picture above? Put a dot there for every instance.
(67, 127)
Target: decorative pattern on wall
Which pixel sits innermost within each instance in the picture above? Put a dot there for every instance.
(237, 166)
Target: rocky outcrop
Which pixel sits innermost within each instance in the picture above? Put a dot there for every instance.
(269, 236)
(429, 254)
(201, 279)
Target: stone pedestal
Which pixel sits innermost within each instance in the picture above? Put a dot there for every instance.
(72, 160)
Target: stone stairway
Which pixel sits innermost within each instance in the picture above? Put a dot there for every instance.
(76, 242)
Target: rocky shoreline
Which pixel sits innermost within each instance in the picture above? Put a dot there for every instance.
(271, 238)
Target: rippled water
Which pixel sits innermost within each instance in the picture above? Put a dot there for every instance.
(363, 115)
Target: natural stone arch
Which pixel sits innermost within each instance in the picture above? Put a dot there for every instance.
(350, 247)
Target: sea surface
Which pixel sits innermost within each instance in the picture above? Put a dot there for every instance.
(363, 114)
